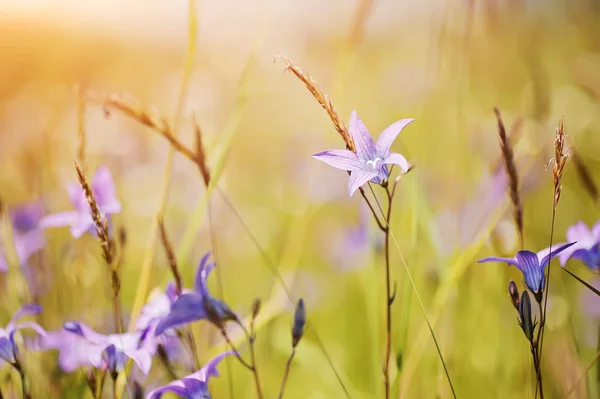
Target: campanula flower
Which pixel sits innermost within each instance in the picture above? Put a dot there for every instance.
(587, 247)
(8, 347)
(80, 219)
(112, 351)
(197, 305)
(158, 307)
(194, 386)
(28, 238)
(370, 160)
(532, 265)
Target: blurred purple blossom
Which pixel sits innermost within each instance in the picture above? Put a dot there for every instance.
(587, 247)
(102, 351)
(195, 385)
(370, 160)
(196, 305)
(80, 219)
(28, 238)
(532, 265)
(8, 347)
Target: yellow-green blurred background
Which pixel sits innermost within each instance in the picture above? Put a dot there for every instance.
(444, 63)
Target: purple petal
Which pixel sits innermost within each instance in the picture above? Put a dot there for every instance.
(105, 191)
(7, 349)
(141, 357)
(82, 225)
(84, 331)
(341, 159)
(195, 388)
(596, 231)
(175, 387)
(204, 268)
(210, 368)
(30, 309)
(387, 137)
(34, 326)
(358, 178)
(544, 261)
(510, 261)
(365, 147)
(28, 244)
(60, 219)
(397, 159)
(25, 218)
(580, 232)
(77, 197)
(186, 309)
(3, 263)
(564, 255)
(73, 350)
(529, 264)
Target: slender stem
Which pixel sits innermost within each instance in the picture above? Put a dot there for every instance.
(115, 388)
(24, 385)
(286, 373)
(379, 224)
(251, 338)
(164, 359)
(536, 365)
(388, 298)
(537, 347)
(244, 363)
(100, 383)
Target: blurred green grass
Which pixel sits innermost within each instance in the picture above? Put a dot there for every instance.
(447, 68)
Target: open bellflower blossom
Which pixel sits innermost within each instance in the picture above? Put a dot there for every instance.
(532, 265)
(8, 347)
(371, 159)
(196, 305)
(587, 247)
(112, 351)
(28, 238)
(194, 386)
(80, 219)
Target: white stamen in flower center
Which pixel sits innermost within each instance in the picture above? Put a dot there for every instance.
(373, 163)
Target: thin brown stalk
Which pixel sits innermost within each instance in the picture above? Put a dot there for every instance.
(286, 373)
(170, 256)
(201, 154)
(357, 27)
(237, 353)
(251, 341)
(106, 244)
(322, 98)
(81, 136)
(559, 161)
(513, 176)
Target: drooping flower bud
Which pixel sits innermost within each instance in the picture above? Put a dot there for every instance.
(299, 323)
(218, 312)
(256, 308)
(513, 291)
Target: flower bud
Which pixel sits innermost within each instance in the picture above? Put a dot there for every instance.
(525, 317)
(218, 312)
(299, 323)
(513, 291)
(256, 308)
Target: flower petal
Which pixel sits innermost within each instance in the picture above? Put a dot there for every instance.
(142, 357)
(564, 256)
(7, 349)
(365, 147)
(28, 244)
(196, 389)
(210, 368)
(596, 231)
(34, 326)
(187, 308)
(204, 268)
(579, 232)
(397, 159)
(60, 219)
(174, 386)
(387, 137)
(544, 260)
(84, 331)
(105, 191)
(358, 178)
(30, 309)
(341, 159)
(510, 261)
(529, 264)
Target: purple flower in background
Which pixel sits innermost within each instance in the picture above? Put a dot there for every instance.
(197, 305)
(370, 160)
(194, 386)
(112, 351)
(27, 236)
(73, 350)
(8, 347)
(80, 220)
(158, 307)
(587, 247)
(532, 265)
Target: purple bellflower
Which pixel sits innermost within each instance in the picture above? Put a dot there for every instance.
(73, 350)
(8, 347)
(28, 238)
(587, 248)
(532, 266)
(196, 305)
(112, 351)
(80, 219)
(158, 307)
(194, 386)
(370, 160)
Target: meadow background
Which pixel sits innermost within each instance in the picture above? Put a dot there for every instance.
(445, 63)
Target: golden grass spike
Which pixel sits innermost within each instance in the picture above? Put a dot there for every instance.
(513, 176)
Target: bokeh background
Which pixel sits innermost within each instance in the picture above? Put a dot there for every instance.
(445, 63)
